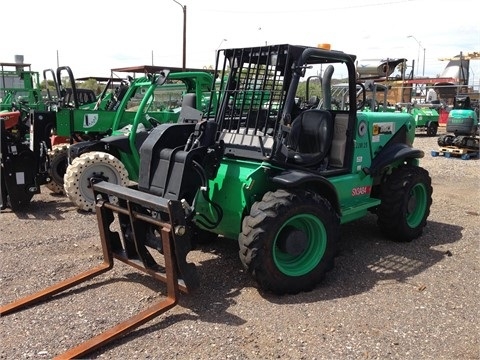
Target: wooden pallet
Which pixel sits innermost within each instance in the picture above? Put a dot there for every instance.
(453, 151)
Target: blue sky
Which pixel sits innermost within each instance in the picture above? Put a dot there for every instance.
(93, 37)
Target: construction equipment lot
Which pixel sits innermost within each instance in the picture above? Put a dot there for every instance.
(382, 300)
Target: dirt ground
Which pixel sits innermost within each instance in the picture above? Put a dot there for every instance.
(383, 300)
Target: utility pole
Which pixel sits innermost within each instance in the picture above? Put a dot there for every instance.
(184, 9)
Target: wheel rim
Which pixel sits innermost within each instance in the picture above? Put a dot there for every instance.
(103, 170)
(417, 205)
(307, 259)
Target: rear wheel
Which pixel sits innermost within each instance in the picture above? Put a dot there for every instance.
(406, 200)
(58, 166)
(432, 129)
(83, 168)
(289, 241)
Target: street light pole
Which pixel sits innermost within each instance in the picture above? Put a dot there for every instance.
(184, 9)
(221, 42)
(418, 53)
(423, 69)
(218, 48)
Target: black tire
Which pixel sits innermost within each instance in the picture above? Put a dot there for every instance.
(432, 129)
(406, 197)
(58, 166)
(441, 140)
(445, 140)
(458, 141)
(277, 263)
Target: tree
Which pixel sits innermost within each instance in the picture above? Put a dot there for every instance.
(91, 84)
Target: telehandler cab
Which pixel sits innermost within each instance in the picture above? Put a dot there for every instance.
(278, 179)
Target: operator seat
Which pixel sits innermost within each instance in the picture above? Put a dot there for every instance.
(313, 102)
(310, 138)
(189, 112)
(189, 99)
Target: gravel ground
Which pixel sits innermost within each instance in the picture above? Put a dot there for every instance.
(383, 300)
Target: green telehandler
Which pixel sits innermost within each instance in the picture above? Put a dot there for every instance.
(279, 179)
(164, 97)
(282, 182)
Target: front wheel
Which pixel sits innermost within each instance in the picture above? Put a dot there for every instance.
(83, 168)
(58, 166)
(289, 240)
(432, 129)
(406, 197)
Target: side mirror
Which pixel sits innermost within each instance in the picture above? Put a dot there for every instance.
(162, 77)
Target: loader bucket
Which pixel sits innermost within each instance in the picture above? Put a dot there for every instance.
(140, 216)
